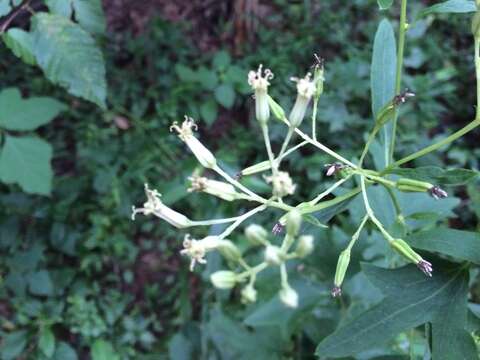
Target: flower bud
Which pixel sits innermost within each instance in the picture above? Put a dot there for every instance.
(216, 188)
(277, 110)
(305, 246)
(305, 90)
(294, 221)
(249, 294)
(342, 266)
(258, 80)
(155, 206)
(288, 296)
(318, 77)
(203, 155)
(223, 279)
(411, 185)
(254, 169)
(401, 247)
(282, 184)
(228, 250)
(273, 255)
(256, 234)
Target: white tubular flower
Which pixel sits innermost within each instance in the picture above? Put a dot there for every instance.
(197, 249)
(305, 90)
(216, 188)
(249, 294)
(155, 206)
(288, 296)
(203, 155)
(258, 80)
(223, 279)
(282, 184)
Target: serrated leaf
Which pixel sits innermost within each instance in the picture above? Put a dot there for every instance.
(221, 60)
(462, 245)
(384, 4)
(26, 114)
(46, 342)
(438, 176)
(382, 81)
(26, 161)
(13, 345)
(40, 283)
(88, 13)
(64, 352)
(225, 95)
(411, 299)
(103, 350)
(21, 44)
(451, 6)
(69, 57)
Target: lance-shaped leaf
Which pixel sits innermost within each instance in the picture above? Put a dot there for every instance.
(26, 160)
(437, 175)
(26, 114)
(411, 299)
(462, 245)
(451, 6)
(69, 56)
(384, 63)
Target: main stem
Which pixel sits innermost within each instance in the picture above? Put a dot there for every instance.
(398, 77)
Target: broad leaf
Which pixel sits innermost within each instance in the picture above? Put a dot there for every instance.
(40, 283)
(88, 13)
(438, 176)
(462, 245)
(26, 161)
(384, 4)
(26, 114)
(383, 69)
(225, 95)
(411, 299)
(65, 352)
(13, 345)
(69, 57)
(451, 6)
(5, 7)
(103, 350)
(46, 342)
(21, 44)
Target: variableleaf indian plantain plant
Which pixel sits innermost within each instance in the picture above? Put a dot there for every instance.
(439, 299)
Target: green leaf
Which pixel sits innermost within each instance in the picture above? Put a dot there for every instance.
(103, 350)
(26, 161)
(46, 342)
(384, 4)
(411, 299)
(438, 176)
(207, 78)
(209, 111)
(225, 95)
(13, 345)
(221, 60)
(40, 283)
(88, 13)
(69, 57)
(21, 44)
(64, 352)
(462, 245)
(382, 77)
(451, 6)
(185, 73)
(26, 114)
(5, 7)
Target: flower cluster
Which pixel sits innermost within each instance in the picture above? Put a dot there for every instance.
(294, 245)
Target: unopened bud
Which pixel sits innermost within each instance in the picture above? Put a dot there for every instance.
(273, 255)
(228, 250)
(288, 296)
(249, 294)
(342, 266)
(401, 247)
(257, 168)
(305, 246)
(411, 185)
(203, 155)
(216, 188)
(294, 221)
(223, 279)
(256, 234)
(277, 110)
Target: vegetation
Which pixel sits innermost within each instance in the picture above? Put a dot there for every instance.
(79, 279)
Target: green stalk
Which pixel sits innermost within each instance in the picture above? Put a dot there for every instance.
(398, 78)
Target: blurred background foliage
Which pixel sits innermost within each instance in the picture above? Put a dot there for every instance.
(75, 269)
